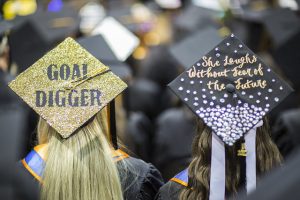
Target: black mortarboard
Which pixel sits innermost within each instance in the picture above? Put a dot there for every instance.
(193, 18)
(98, 47)
(283, 25)
(45, 29)
(230, 89)
(190, 49)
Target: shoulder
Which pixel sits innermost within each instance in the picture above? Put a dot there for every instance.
(171, 190)
(140, 180)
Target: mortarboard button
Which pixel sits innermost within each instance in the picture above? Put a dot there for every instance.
(230, 88)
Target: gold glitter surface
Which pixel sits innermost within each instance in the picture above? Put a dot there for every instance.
(66, 119)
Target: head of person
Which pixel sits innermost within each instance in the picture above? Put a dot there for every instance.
(73, 101)
(231, 90)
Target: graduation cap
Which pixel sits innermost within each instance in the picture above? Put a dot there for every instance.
(194, 18)
(67, 87)
(231, 90)
(45, 29)
(283, 25)
(120, 40)
(190, 49)
(232, 81)
(99, 48)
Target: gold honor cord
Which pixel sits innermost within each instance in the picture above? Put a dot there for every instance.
(74, 83)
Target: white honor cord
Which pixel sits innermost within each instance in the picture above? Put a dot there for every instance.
(217, 170)
(250, 142)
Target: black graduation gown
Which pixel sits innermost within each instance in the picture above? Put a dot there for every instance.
(142, 181)
(170, 191)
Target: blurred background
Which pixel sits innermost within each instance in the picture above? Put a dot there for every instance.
(147, 43)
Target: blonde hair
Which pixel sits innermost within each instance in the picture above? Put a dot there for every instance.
(81, 166)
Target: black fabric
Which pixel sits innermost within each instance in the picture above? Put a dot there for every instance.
(139, 135)
(285, 132)
(172, 146)
(170, 191)
(140, 180)
(189, 50)
(283, 183)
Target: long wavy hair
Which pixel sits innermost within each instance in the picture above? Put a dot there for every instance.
(81, 166)
(267, 157)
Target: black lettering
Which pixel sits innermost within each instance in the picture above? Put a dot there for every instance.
(64, 72)
(52, 75)
(84, 97)
(95, 95)
(60, 102)
(76, 99)
(40, 99)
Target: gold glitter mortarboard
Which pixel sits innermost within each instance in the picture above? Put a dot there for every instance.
(67, 86)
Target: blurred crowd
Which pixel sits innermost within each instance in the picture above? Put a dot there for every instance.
(147, 44)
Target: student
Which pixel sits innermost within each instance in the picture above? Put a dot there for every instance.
(231, 90)
(78, 155)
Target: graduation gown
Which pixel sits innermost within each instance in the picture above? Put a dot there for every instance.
(172, 189)
(142, 180)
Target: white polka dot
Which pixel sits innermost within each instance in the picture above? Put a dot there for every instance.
(270, 90)
(222, 100)
(213, 98)
(198, 64)
(180, 88)
(203, 90)
(276, 99)
(205, 101)
(257, 101)
(218, 55)
(235, 51)
(225, 95)
(211, 103)
(228, 44)
(251, 96)
(195, 92)
(217, 49)
(232, 35)
(243, 92)
(201, 115)
(269, 70)
(203, 96)
(196, 98)
(240, 46)
(188, 91)
(259, 93)
(196, 104)
(281, 88)
(197, 111)
(192, 82)
(273, 80)
(200, 82)
(267, 105)
(266, 98)
(211, 92)
(186, 99)
(182, 79)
